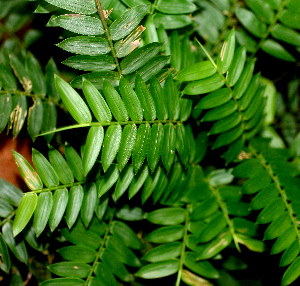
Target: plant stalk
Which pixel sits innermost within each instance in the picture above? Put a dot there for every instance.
(223, 207)
(95, 263)
(178, 280)
(56, 187)
(89, 124)
(108, 36)
(7, 218)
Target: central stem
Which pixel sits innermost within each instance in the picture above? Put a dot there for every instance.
(89, 124)
(56, 187)
(108, 36)
(101, 248)
(280, 188)
(179, 275)
(8, 218)
(225, 213)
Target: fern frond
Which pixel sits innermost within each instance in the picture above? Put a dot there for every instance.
(269, 26)
(238, 108)
(46, 206)
(273, 24)
(58, 176)
(159, 114)
(122, 48)
(272, 177)
(205, 221)
(99, 253)
(122, 39)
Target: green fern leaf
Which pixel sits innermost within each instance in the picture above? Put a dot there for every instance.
(131, 101)
(60, 200)
(92, 148)
(74, 204)
(138, 181)
(123, 182)
(115, 102)
(141, 146)
(42, 212)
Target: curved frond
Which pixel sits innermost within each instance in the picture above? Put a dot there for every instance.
(272, 178)
(237, 108)
(197, 225)
(101, 253)
(159, 115)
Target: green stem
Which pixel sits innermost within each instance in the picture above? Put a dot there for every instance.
(185, 236)
(207, 54)
(154, 5)
(280, 189)
(56, 187)
(102, 244)
(108, 36)
(270, 28)
(8, 218)
(224, 209)
(28, 94)
(104, 123)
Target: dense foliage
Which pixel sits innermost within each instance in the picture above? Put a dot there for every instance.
(174, 149)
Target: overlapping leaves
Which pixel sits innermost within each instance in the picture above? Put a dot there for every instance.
(98, 254)
(158, 115)
(38, 91)
(271, 177)
(213, 32)
(277, 19)
(57, 175)
(267, 25)
(199, 227)
(71, 199)
(237, 108)
(100, 51)
(165, 188)
(201, 216)
(10, 197)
